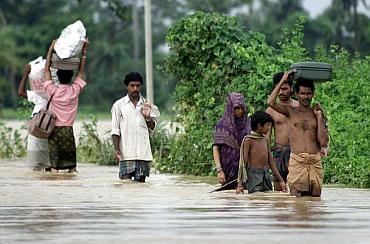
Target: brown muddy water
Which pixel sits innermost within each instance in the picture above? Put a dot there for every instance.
(93, 206)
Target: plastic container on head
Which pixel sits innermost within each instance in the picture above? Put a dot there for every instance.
(316, 71)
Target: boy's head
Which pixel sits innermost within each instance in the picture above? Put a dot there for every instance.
(261, 122)
(64, 76)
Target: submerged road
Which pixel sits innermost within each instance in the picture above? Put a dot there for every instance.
(93, 206)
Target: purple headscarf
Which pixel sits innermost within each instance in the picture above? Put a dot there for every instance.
(229, 134)
(230, 130)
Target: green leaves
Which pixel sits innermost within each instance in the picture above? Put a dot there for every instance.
(212, 56)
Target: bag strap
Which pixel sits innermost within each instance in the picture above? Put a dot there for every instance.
(47, 106)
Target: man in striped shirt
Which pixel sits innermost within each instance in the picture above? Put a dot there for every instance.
(133, 120)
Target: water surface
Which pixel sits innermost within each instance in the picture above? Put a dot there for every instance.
(93, 206)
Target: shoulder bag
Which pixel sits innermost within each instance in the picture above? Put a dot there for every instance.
(41, 124)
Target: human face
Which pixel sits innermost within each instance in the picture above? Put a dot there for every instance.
(265, 128)
(285, 92)
(305, 95)
(238, 111)
(133, 89)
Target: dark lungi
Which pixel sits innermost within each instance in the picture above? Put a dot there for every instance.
(62, 148)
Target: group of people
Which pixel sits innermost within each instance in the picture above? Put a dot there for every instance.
(133, 120)
(241, 147)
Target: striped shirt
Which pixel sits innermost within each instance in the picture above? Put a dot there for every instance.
(129, 124)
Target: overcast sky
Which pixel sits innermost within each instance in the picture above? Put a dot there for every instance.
(315, 7)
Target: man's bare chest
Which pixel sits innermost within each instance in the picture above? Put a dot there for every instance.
(303, 122)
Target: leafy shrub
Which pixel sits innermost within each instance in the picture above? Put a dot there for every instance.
(11, 143)
(211, 55)
(92, 149)
(347, 100)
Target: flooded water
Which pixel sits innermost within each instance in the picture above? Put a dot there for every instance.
(93, 206)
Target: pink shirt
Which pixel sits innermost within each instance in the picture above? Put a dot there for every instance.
(65, 100)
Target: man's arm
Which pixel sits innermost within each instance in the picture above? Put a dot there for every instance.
(115, 131)
(271, 100)
(275, 170)
(48, 61)
(81, 69)
(22, 85)
(269, 133)
(117, 150)
(322, 133)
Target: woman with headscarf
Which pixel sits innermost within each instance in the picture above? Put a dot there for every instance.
(229, 132)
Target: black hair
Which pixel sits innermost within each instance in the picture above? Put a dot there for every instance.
(260, 117)
(132, 76)
(64, 76)
(304, 83)
(278, 76)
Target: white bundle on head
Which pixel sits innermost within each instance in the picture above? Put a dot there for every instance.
(71, 40)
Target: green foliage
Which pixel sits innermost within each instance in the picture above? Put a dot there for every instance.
(211, 56)
(91, 148)
(11, 143)
(346, 101)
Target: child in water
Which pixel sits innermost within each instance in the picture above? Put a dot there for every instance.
(256, 158)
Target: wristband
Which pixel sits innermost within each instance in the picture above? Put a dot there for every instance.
(219, 169)
(83, 57)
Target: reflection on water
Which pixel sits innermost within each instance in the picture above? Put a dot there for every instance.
(93, 206)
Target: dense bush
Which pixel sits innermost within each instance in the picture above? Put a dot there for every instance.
(11, 143)
(93, 149)
(347, 103)
(211, 55)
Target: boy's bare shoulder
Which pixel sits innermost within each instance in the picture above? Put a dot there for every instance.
(246, 140)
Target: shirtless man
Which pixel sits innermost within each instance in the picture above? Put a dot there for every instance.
(281, 149)
(306, 133)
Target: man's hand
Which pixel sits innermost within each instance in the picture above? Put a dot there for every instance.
(283, 186)
(221, 177)
(145, 110)
(117, 154)
(317, 110)
(239, 189)
(287, 75)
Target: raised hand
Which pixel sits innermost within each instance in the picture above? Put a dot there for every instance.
(146, 109)
(27, 69)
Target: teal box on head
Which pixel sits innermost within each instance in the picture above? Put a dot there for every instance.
(316, 71)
